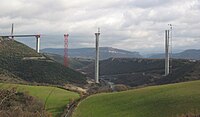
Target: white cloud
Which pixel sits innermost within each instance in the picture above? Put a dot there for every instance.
(136, 25)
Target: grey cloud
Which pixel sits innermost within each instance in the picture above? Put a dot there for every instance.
(149, 3)
(130, 24)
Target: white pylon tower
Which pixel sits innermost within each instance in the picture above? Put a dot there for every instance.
(38, 43)
(97, 57)
(171, 47)
(166, 52)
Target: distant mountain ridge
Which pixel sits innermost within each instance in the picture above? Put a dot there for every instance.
(105, 53)
(187, 54)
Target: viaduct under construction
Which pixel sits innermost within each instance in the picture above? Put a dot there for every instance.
(37, 36)
(66, 60)
(66, 36)
(97, 34)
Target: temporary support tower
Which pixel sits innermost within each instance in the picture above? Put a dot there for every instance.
(66, 36)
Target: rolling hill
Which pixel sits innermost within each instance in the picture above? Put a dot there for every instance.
(105, 53)
(139, 72)
(21, 62)
(155, 101)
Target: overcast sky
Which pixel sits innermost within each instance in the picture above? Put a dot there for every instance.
(135, 25)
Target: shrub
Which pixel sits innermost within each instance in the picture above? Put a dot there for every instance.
(17, 104)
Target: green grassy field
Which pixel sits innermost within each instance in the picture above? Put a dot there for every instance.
(154, 101)
(56, 102)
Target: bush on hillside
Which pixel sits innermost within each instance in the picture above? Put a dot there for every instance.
(193, 114)
(17, 104)
(120, 87)
(189, 115)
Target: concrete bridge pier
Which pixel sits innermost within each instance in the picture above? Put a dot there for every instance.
(38, 43)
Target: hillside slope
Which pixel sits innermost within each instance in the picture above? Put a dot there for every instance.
(137, 72)
(156, 101)
(23, 62)
(74, 63)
